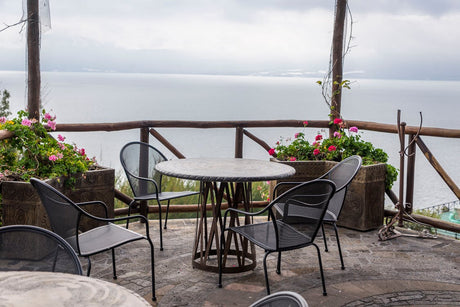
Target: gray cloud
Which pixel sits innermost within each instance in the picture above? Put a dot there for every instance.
(409, 39)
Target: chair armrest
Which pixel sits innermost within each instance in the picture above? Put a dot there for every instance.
(95, 202)
(243, 212)
(157, 188)
(117, 219)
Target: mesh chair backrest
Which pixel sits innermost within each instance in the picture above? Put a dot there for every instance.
(31, 248)
(138, 160)
(281, 299)
(311, 198)
(63, 213)
(342, 174)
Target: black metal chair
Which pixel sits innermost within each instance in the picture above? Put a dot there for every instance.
(32, 248)
(281, 299)
(138, 160)
(341, 174)
(279, 235)
(65, 217)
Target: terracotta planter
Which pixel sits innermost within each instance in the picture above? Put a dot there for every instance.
(21, 203)
(364, 204)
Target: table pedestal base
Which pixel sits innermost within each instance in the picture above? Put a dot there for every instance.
(239, 254)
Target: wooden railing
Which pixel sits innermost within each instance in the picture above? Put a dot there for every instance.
(147, 129)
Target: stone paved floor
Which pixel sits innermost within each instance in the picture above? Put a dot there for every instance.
(405, 271)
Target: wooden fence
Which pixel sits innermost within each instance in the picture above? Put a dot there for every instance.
(147, 128)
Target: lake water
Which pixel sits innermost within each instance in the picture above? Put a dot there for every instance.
(111, 97)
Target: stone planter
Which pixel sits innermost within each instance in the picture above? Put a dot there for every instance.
(21, 203)
(364, 204)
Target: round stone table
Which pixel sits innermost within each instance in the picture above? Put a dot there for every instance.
(223, 180)
(37, 289)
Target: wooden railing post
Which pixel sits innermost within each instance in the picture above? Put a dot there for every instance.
(144, 137)
(401, 206)
(409, 205)
(239, 142)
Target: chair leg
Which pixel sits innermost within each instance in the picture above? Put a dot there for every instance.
(166, 218)
(129, 212)
(88, 271)
(113, 264)
(152, 262)
(338, 244)
(278, 266)
(161, 229)
(321, 269)
(324, 237)
(266, 273)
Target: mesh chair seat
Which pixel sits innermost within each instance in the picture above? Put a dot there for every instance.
(104, 238)
(263, 235)
(31, 248)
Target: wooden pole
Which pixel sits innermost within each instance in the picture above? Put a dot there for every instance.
(33, 59)
(409, 205)
(143, 160)
(337, 59)
(402, 136)
(239, 142)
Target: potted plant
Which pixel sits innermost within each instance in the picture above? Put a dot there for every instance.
(32, 152)
(364, 204)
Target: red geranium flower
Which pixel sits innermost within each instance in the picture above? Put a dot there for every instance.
(337, 121)
(332, 148)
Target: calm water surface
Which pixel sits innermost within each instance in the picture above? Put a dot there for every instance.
(109, 97)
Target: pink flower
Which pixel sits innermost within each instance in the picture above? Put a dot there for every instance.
(26, 122)
(305, 123)
(296, 135)
(82, 151)
(332, 148)
(337, 121)
(60, 156)
(314, 143)
(337, 134)
(271, 152)
(318, 137)
(316, 152)
(48, 117)
(52, 125)
(292, 159)
(61, 138)
(2, 120)
(353, 129)
(62, 146)
(53, 158)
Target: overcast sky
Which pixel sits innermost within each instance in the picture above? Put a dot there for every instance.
(401, 39)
